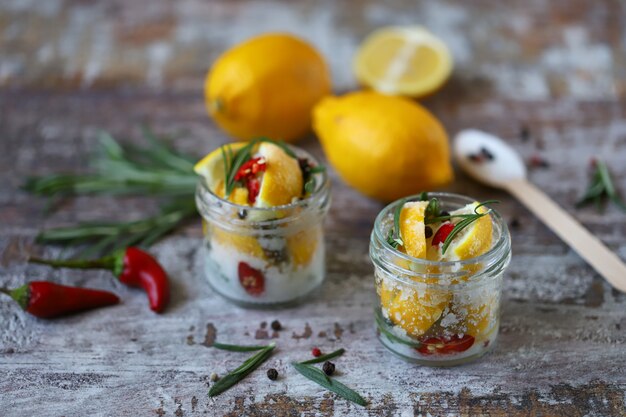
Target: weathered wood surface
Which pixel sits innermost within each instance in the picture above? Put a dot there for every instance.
(556, 68)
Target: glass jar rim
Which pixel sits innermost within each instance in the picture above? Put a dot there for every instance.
(497, 251)
(209, 199)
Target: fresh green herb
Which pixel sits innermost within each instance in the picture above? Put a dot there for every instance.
(310, 183)
(432, 210)
(237, 348)
(394, 238)
(601, 188)
(242, 371)
(423, 196)
(380, 323)
(326, 357)
(106, 238)
(329, 383)
(153, 170)
(467, 220)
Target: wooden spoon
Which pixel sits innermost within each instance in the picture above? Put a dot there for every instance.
(505, 169)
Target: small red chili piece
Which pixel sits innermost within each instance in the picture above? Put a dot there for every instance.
(442, 233)
(251, 279)
(133, 267)
(251, 167)
(254, 187)
(47, 300)
(445, 346)
(316, 352)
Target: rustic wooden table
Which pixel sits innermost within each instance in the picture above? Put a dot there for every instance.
(549, 76)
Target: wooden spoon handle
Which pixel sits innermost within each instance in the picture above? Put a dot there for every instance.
(589, 247)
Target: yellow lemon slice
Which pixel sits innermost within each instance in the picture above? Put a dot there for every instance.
(403, 60)
(472, 241)
(412, 228)
(211, 167)
(413, 311)
(282, 180)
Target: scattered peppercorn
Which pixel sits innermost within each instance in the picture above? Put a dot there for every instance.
(242, 214)
(328, 368)
(316, 352)
(515, 223)
(524, 133)
(445, 213)
(537, 161)
(276, 325)
(272, 374)
(214, 377)
(428, 231)
(486, 153)
(474, 157)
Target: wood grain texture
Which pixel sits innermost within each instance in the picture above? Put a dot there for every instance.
(562, 348)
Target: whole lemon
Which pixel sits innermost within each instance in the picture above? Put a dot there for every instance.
(267, 86)
(386, 147)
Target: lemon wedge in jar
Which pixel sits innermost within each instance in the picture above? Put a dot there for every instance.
(282, 181)
(412, 228)
(407, 61)
(474, 240)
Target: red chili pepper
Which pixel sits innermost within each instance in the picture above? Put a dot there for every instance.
(247, 173)
(133, 267)
(46, 300)
(254, 187)
(251, 167)
(251, 279)
(442, 233)
(444, 346)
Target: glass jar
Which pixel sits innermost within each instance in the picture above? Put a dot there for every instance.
(265, 257)
(438, 313)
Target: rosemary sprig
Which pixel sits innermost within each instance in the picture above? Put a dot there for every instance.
(237, 348)
(601, 188)
(106, 238)
(326, 357)
(242, 371)
(310, 182)
(394, 238)
(331, 384)
(467, 220)
(152, 170)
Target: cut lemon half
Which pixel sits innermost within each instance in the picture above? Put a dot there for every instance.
(211, 167)
(407, 61)
(282, 180)
(472, 241)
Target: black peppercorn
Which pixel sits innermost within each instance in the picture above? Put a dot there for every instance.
(276, 325)
(445, 213)
(243, 213)
(328, 368)
(515, 223)
(486, 153)
(272, 374)
(428, 231)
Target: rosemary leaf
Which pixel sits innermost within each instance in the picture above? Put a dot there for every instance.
(329, 383)
(237, 348)
(394, 238)
(600, 189)
(242, 371)
(107, 237)
(324, 358)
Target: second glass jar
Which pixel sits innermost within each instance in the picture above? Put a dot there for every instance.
(438, 313)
